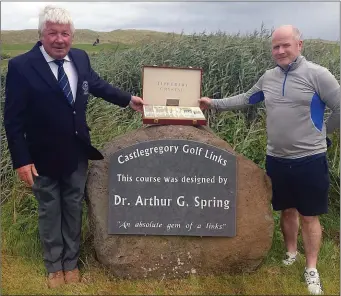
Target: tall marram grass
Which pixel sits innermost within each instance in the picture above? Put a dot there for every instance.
(231, 64)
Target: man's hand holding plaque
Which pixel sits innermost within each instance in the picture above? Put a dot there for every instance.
(136, 103)
(205, 103)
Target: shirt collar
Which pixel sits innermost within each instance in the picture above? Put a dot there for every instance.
(293, 65)
(50, 59)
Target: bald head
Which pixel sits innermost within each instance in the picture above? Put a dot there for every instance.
(287, 30)
(286, 45)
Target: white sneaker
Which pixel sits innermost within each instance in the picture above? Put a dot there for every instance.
(312, 279)
(290, 258)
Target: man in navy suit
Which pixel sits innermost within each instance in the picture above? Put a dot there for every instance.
(47, 91)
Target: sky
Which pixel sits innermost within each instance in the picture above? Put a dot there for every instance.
(314, 19)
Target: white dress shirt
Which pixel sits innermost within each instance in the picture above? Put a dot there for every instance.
(69, 69)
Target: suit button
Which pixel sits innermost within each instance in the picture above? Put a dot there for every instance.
(74, 112)
(76, 133)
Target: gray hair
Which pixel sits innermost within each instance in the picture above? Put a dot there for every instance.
(54, 14)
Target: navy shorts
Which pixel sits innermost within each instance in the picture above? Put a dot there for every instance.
(299, 183)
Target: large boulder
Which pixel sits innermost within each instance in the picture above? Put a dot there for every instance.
(138, 256)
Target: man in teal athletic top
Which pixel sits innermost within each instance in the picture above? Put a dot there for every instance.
(295, 94)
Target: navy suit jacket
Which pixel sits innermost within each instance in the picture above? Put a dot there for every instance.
(41, 126)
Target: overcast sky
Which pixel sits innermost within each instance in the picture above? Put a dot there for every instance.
(314, 19)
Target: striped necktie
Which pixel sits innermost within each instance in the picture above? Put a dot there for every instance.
(63, 81)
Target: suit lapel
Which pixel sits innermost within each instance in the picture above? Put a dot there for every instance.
(43, 69)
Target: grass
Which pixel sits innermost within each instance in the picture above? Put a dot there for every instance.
(84, 36)
(231, 64)
(11, 50)
(96, 280)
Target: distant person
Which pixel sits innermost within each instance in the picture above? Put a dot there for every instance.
(295, 93)
(96, 42)
(47, 91)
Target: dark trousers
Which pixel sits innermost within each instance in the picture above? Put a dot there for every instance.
(60, 217)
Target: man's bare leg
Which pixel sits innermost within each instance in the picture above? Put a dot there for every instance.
(290, 225)
(312, 235)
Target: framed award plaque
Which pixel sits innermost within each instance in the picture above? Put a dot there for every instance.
(171, 95)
